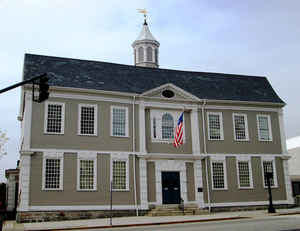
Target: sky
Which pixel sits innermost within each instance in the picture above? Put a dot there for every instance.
(250, 37)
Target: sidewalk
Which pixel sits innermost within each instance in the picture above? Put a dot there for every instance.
(143, 220)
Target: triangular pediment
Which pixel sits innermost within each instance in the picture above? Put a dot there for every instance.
(179, 93)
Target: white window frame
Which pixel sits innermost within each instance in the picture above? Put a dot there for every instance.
(244, 159)
(95, 106)
(87, 156)
(62, 117)
(246, 126)
(53, 155)
(221, 159)
(120, 157)
(221, 124)
(126, 120)
(158, 114)
(274, 171)
(269, 126)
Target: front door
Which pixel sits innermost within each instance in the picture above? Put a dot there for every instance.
(170, 187)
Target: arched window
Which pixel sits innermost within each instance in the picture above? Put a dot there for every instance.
(167, 126)
(141, 54)
(156, 55)
(149, 54)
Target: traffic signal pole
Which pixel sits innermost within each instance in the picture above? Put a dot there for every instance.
(42, 77)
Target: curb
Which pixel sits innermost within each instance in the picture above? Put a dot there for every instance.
(286, 214)
(145, 224)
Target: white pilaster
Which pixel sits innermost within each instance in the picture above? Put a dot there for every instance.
(142, 128)
(282, 132)
(198, 183)
(27, 121)
(24, 181)
(195, 131)
(143, 184)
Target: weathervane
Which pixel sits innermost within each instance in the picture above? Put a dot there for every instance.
(143, 11)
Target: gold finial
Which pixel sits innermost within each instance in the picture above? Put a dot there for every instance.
(143, 11)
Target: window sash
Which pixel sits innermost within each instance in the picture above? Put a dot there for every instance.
(268, 167)
(167, 126)
(119, 120)
(87, 120)
(240, 127)
(264, 128)
(52, 173)
(86, 174)
(218, 175)
(215, 126)
(244, 174)
(54, 118)
(119, 175)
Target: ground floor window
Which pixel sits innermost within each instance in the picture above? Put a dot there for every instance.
(296, 188)
(268, 165)
(120, 174)
(218, 168)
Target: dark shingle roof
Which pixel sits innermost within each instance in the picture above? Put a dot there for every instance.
(75, 73)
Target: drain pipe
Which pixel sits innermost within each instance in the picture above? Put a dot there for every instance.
(134, 156)
(206, 158)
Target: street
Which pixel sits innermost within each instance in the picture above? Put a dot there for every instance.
(277, 223)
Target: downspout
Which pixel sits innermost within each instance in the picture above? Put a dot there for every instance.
(134, 156)
(206, 158)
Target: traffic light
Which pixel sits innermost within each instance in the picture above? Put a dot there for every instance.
(43, 89)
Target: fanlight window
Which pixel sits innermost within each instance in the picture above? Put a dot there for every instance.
(167, 126)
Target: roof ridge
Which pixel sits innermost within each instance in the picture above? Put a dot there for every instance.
(147, 68)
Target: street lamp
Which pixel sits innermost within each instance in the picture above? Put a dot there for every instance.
(269, 176)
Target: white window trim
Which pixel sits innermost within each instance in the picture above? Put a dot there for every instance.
(126, 121)
(120, 157)
(95, 106)
(221, 125)
(158, 114)
(53, 155)
(246, 126)
(221, 159)
(244, 159)
(87, 156)
(269, 126)
(62, 117)
(274, 171)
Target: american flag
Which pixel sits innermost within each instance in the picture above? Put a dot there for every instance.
(178, 139)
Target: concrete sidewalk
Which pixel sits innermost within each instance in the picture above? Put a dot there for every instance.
(143, 220)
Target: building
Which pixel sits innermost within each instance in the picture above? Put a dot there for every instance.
(293, 147)
(106, 122)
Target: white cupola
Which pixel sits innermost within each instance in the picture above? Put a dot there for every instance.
(145, 48)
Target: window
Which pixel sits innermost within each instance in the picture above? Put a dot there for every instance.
(154, 127)
(244, 172)
(215, 126)
(156, 55)
(119, 126)
(264, 128)
(268, 165)
(52, 171)
(141, 54)
(87, 119)
(149, 54)
(167, 126)
(120, 170)
(219, 181)
(54, 118)
(240, 126)
(86, 171)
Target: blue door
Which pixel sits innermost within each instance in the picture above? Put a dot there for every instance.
(170, 187)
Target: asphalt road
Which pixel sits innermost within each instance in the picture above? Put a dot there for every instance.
(279, 223)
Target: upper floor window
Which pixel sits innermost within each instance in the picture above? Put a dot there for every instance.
(54, 118)
(163, 125)
(87, 119)
(119, 121)
(167, 126)
(264, 128)
(215, 126)
(53, 171)
(240, 127)
(149, 54)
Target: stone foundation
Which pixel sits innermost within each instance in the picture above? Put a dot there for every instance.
(42, 216)
(248, 208)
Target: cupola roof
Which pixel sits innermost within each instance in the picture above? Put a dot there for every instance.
(145, 34)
